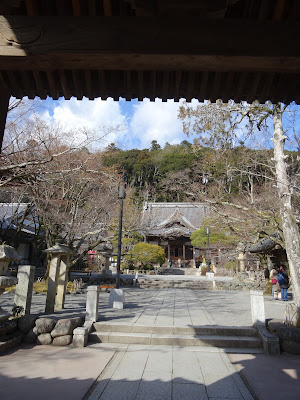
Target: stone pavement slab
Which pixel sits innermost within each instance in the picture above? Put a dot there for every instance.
(48, 372)
(273, 378)
(164, 372)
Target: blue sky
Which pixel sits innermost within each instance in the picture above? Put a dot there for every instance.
(140, 122)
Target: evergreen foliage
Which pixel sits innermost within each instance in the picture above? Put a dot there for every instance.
(145, 253)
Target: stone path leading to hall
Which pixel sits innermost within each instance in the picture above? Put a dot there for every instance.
(174, 307)
(169, 373)
(148, 372)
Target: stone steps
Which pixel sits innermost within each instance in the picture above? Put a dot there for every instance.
(209, 336)
(185, 284)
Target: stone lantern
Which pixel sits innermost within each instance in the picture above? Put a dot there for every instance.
(7, 254)
(58, 275)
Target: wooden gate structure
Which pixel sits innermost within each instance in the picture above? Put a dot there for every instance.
(203, 49)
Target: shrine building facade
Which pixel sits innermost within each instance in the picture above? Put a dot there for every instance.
(170, 226)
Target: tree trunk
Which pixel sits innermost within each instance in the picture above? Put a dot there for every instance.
(289, 223)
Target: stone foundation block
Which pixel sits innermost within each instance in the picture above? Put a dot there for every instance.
(80, 336)
(45, 325)
(66, 326)
(44, 338)
(62, 340)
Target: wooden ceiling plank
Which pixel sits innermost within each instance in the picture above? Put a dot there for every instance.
(203, 86)
(268, 82)
(92, 7)
(216, 87)
(15, 87)
(76, 8)
(190, 85)
(60, 7)
(228, 87)
(88, 83)
(27, 84)
(64, 84)
(153, 85)
(54, 92)
(128, 84)
(107, 8)
(31, 7)
(264, 10)
(140, 85)
(40, 85)
(76, 83)
(102, 85)
(278, 11)
(240, 87)
(253, 94)
(165, 85)
(178, 78)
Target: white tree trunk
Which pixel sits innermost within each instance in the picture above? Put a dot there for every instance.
(289, 223)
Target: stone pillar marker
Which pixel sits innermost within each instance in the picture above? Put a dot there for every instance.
(7, 254)
(257, 307)
(116, 299)
(92, 303)
(23, 295)
(58, 274)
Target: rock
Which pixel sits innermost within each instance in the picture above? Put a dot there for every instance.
(62, 340)
(289, 346)
(27, 322)
(45, 325)
(44, 338)
(289, 333)
(36, 331)
(30, 337)
(66, 326)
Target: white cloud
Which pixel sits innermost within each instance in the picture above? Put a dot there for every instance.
(156, 121)
(93, 115)
(143, 122)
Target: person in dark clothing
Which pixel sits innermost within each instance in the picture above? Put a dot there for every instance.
(283, 281)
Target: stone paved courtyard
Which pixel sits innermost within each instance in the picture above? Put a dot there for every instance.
(140, 372)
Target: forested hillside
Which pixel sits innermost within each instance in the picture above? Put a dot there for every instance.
(184, 172)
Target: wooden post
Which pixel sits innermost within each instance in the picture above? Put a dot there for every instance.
(4, 101)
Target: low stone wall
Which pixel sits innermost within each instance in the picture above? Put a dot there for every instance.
(289, 337)
(239, 285)
(48, 331)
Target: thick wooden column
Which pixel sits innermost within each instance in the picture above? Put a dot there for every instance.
(4, 100)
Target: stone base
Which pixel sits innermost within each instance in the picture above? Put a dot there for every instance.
(116, 299)
(210, 276)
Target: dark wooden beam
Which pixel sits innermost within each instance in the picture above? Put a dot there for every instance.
(48, 43)
(4, 101)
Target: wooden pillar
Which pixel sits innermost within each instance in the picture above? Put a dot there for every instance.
(169, 251)
(183, 254)
(4, 101)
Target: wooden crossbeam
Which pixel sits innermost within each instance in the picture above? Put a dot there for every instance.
(48, 43)
(4, 101)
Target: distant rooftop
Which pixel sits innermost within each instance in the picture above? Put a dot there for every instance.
(173, 219)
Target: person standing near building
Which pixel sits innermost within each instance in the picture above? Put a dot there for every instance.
(273, 278)
(283, 281)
